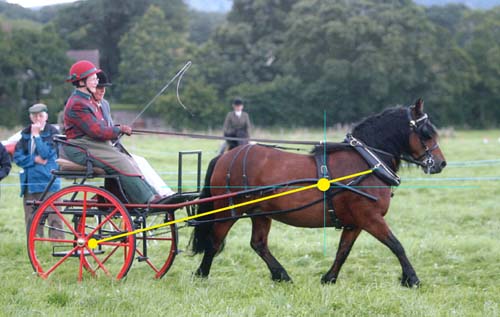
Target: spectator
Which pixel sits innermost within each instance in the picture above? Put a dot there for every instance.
(4, 162)
(36, 153)
(237, 125)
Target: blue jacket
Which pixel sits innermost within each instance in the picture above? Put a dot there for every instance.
(34, 177)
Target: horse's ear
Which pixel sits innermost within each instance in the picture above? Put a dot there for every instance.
(419, 106)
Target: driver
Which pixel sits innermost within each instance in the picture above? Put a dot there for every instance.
(86, 126)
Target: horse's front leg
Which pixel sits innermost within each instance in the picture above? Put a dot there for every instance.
(347, 240)
(217, 237)
(380, 230)
(409, 277)
(260, 231)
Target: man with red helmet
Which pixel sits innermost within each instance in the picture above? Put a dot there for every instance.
(86, 126)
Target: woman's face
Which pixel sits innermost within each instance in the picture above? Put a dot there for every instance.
(92, 82)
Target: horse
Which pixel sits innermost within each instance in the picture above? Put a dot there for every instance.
(395, 134)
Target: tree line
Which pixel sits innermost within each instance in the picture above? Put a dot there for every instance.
(291, 61)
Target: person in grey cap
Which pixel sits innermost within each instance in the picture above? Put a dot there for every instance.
(36, 154)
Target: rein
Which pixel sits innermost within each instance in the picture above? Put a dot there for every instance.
(215, 137)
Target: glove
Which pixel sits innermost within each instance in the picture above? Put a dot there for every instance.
(125, 129)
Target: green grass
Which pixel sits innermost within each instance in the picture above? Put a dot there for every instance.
(450, 230)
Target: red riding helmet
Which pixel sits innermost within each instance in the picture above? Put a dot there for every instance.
(81, 70)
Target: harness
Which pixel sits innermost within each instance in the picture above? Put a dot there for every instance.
(323, 170)
(426, 160)
(247, 148)
(369, 154)
(383, 172)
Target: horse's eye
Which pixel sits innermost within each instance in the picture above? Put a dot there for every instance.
(425, 132)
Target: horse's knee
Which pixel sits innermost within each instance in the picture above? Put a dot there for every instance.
(258, 246)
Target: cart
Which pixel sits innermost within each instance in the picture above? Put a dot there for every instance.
(87, 210)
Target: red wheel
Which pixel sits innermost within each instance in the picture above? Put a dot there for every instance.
(158, 247)
(68, 219)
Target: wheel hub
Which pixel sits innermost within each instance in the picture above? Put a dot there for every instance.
(80, 242)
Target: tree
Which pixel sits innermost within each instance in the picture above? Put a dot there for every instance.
(245, 48)
(33, 70)
(204, 110)
(102, 23)
(151, 52)
(357, 57)
(203, 24)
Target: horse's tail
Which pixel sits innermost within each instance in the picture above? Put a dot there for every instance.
(199, 239)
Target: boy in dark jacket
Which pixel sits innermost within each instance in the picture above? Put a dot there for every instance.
(36, 153)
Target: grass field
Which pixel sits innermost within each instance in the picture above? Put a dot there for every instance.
(448, 223)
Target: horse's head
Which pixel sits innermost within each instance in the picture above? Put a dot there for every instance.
(423, 141)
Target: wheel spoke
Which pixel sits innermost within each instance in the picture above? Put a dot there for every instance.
(66, 222)
(47, 273)
(148, 261)
(53, 240)
(99, 226)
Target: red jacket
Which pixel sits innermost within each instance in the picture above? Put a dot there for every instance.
(82, 117)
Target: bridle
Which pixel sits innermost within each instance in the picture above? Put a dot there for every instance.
(426, 160)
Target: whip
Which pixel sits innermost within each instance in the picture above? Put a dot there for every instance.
(179, 74)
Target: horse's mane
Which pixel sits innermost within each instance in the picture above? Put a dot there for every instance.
(377, 131)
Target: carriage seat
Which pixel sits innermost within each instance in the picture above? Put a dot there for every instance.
(70, 166)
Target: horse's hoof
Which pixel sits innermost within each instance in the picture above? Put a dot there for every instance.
(280, 276)
(200, 274)
(328, 280)
(410, 281)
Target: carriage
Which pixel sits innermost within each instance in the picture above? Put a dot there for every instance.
(238, 184)
(88, 210)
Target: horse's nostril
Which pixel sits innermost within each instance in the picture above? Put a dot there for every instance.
(443, 164)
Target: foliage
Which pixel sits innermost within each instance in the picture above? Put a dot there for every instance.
(200, 99)
(284, 57)
(203, 24)
(83, 28)
(32, 71)
(150, 53)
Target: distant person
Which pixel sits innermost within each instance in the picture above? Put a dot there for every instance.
(5, 164)
(237, 125)
(36, 154)
(149, 173)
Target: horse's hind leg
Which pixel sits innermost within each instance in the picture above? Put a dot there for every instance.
(345, 245)
(380, 230)
(219, 233)
(260, 231)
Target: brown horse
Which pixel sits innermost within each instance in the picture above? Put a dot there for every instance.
(394, 134)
